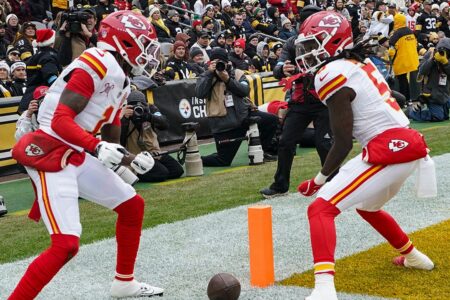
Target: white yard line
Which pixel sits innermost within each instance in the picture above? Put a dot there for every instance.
(181, 257)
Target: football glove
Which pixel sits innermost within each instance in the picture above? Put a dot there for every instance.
(143, 162)
(110, 154)
(310, 187)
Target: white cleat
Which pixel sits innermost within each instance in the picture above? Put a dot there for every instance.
(415, 260)
(322, 291)
(133, 288)
(322, 294)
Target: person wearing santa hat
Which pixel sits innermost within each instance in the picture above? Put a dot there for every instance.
(42, 68)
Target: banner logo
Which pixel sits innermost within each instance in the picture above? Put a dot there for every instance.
(185, 108)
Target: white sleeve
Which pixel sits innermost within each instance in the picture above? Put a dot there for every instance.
(24, 125)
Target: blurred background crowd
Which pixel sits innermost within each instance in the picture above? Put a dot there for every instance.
(251, 31)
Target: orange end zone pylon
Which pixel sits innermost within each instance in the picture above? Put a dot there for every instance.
(260, 245)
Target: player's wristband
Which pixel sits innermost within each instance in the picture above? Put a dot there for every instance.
(320, 179)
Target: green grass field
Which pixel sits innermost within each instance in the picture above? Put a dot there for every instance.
(226, 188)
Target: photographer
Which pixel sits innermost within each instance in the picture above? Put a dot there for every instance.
(227, 107)
(139, 122)
(27, 121)
(434, 71)
(76, 34)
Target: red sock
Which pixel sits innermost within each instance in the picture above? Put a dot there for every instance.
(321, 216)
(128, 234)
(45, 266)
(385, 224)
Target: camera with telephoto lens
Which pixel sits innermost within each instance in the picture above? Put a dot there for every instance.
(141, 113)
(221, 66)
(75, 18)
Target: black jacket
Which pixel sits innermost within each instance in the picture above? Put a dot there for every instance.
(41, 68)
(102, 11)
(173, 27)
(241, 63)
(38, 9)
(163, 36)
(196, 69)
(176, 69)
(18, 87)
(303, 90)
(235, 114)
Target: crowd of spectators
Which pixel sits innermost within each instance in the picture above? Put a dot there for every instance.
(251, 31)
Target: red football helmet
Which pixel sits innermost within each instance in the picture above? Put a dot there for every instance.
(133, 37)
(324, 34)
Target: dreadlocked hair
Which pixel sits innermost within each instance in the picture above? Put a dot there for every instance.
(359, 52)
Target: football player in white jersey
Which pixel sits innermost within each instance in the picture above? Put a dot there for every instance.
(59, 157)
(361, 106)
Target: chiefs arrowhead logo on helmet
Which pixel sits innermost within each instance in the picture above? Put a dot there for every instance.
(33, 150)
(397, 145)
(330, 21)
(131, 21)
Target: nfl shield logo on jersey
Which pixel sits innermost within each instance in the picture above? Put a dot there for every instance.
(33, 150)
(397, 145)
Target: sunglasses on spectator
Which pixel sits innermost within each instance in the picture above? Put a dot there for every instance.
(14, 53)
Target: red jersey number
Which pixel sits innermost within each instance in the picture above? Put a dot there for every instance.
(381, 85)
(106, 116)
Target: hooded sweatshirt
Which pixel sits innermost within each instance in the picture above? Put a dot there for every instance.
(403, 47)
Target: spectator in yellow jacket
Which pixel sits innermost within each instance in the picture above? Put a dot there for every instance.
(403, 53)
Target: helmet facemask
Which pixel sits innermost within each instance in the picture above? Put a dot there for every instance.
(310, 52)
(145, 63)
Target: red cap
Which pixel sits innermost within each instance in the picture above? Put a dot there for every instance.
(239, 43)
(196, 22)
(40, 92)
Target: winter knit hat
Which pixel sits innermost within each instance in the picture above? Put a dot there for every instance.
(219, 53)
(256, 11)
(8, 17)
(225, 3)
(152, 9)
(239, 43)
(276, 46)
(18, 64)
(284, 20)
(195, 23)
(172, 13)
(443, 5)
(4, 65)
(194, 52)
(178, 44)
(45, 37)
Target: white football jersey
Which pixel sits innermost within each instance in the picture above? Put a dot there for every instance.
(374, 108)
(111, 89)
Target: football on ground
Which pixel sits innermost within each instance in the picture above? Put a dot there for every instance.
(224, 286)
